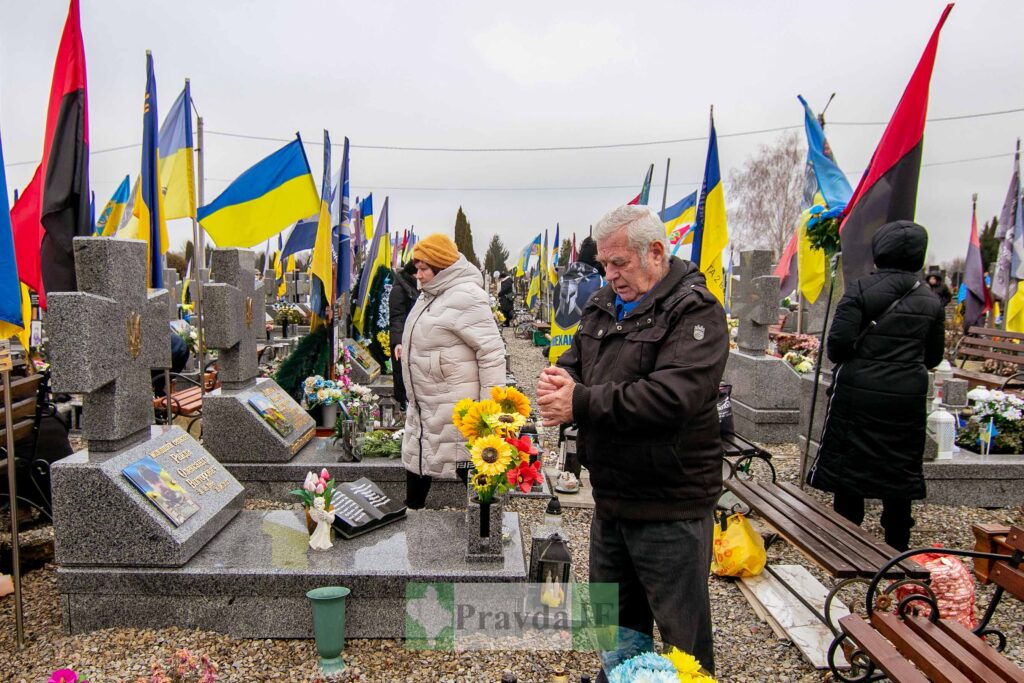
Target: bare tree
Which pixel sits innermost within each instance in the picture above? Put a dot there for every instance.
(765, 195)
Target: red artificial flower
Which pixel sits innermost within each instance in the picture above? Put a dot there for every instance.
(524, 476)
(523, 445)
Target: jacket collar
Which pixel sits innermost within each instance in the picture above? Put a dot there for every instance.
(678, 271)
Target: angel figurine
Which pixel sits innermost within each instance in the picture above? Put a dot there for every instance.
(320, 539)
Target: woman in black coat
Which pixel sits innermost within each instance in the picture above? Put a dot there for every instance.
(874, 434)
(403, 295)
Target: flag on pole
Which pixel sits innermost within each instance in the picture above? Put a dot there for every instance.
(533, 247)
(366, 211)
(344, 219)
(678, 220)
(108, 221)
(149, 204)
(177, 175)
(553, 268)
(12, 314)
(645, 189)
(888, 189)
(54, 207)
(377, 256)
(710, 232)
(979, 300)
(1007, 234)
(261, 202)
(321, 269)
(785, 270)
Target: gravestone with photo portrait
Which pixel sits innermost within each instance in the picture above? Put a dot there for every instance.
(137, 495)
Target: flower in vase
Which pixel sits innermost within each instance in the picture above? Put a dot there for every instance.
(685, 663)
(524, 445)
(324, 474)
(506, 424)
(524, 476)
(480, 482)
(475, 423)
(511, 400)
(491, 455)
(460, 411)
(320, 488)
(310, 483)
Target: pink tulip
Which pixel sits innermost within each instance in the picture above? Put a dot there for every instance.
(320, 488)
(324, 475)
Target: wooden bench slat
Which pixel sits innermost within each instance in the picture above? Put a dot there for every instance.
(22, 388)
(24, 408)
(1015, 538)
(993, 332)
(913, 647)
(881, 651)
(1012, 580)
(842, 538)
(990, 355)
(22, 430)
(981, 342)
(749, 493)
(989, 538)
(952, 651)
(995, 661)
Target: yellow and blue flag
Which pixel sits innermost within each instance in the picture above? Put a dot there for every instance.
(263, 201)
(710, 232)
(553, 268)
(177, 177)
(533, 247)
(344, 220)
(377, 256)
(322, 265)
(366, 212)
(149, 204)
(113, 212)
(13, 294)
(825, 185)
(678, 220)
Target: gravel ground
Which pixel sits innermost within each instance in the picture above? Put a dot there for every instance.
(746, 648)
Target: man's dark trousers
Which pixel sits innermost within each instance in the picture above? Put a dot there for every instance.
(661, 569)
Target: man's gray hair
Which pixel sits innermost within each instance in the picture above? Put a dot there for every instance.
(643, 227)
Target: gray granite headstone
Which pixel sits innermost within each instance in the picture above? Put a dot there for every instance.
(173, 292)
(365, 370)
(954, 393)
(758, 305)
(101, 518)
(105, 338)
(230, 320)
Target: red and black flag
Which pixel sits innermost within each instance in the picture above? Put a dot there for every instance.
(979, 298)
(54, 208)
(888, 189)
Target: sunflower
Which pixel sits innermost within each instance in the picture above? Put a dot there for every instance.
(511, 400)
(491, 455)
(506, 424)
(460, 410)
(474, 423)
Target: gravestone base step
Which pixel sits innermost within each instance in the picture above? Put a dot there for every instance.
(251, 580)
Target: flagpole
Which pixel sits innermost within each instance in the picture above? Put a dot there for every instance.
(664, 195)
(833, 270)
(5, 370)
(199, 253)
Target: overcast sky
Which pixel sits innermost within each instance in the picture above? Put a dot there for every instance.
(528, 74)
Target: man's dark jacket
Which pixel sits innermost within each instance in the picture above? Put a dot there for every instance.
(646, 399)
(403, 295)
(873, 440)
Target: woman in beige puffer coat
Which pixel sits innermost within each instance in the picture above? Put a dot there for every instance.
(451, 349)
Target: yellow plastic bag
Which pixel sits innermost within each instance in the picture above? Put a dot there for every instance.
(738, 549)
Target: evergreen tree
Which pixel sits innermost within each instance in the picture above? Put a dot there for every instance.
(565, 254)
(464, 238)
(989, 244)
(496, 257)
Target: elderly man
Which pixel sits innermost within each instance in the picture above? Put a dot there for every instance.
(641, 382)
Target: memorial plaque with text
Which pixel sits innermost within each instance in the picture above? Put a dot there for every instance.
(361, 506)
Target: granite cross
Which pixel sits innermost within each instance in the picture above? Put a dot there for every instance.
(758, 304)
(105, 338)
(173, 293)
(231, 325)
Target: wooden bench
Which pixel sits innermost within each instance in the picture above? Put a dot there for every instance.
(841, 548)
(908, 647)
(985, 343)
(187, 401)
(989, 538)
(24, 400)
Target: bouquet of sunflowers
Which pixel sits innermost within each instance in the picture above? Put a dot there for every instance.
(500, 456)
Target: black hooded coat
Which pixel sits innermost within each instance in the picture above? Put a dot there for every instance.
(873, 440)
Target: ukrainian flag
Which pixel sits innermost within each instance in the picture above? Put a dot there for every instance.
(277, 191)
(14, 315)
(149, 203)
(322, 266)
(377, 256)
(710, 232)
(113, 212)
(524, 256)
(366, 211)
(678, 220)
(553, 269)
(177, 177)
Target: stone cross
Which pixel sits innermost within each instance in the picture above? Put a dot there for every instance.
(269, 288)
(173, 293)
(230, 309)
(757, 306)
(106, 338)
